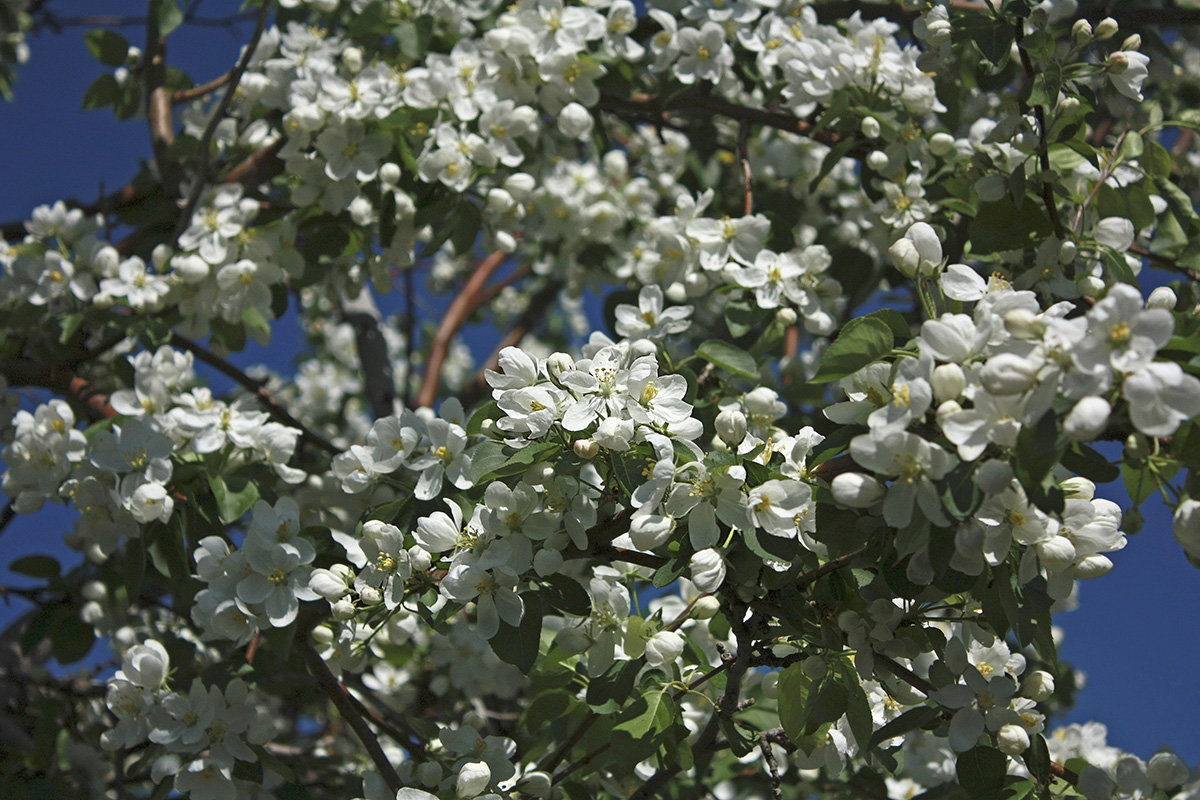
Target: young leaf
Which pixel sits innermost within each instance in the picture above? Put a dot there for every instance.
(861, 341)
(728, 357)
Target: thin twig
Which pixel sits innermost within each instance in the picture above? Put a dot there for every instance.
(196, 92)
(1039, 114)
(743, 155)
(201, 177)
(764, 744)
(158, 105)
(255, 387)
(349, 711)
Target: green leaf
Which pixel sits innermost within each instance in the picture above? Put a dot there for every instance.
(1037, 452)
(519, 644)
(651, 715)
(910, 720)
(606, 692)
(835, 154)
(862, 341)
(826, 703)
(793, 690)
(1037, 759)
(257, 325)
(488, 457)
(36, 566)
(108, 47)
(1087, 462)
(233, 502)
(168, 15)
(858, 706)
(728, 357)
(981, 771)
(741, 317)
(565, 594)
(1001, 225)
(135, 568)
(102, 93)
(71, 638)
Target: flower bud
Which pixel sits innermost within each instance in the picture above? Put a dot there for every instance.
(1021, 323)
(1038, 685)
(938, 32)
(1008, 374)
(1137, 446)
(419, 558)
(1092, 566)
(574, 121)
(947, 408)
(1117, 63)
(731, 426)
(1081, 31)
(499, 202)
(1078, 488)
(696, 284)
(1090, 286)
(1163, 297)
(1187, 527)
(586, 448)
(146, 665)
(1106, 29)
(663, 648)
(856, 490)
(343, 609)
(536, 783)
(520, 185)
(1087, 419)
(705, 607)
(1012, 739)
(1166, 771)
(352, 57)
(1067, 250)
(941, 144)
(473, 778)
(787, 316)
(370, 596)
(905, 257)
(389, 174)
(616, 165)
(707, 570)
(676, 292)
(948, 382)
(190, 269)
(870, 128)
(1132, 42)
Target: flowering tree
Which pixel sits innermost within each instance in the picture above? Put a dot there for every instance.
(794, 524)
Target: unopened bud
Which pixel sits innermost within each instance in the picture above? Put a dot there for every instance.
(343, 609)
(1137, 446)
(938, 32)
(389, 174)
(941, 144)
(948, 382)
(856, 490)
(1132, 42)
(870, 128)
(1106, 29)
(352, 57)
(536, 783)
(1037, 685)
(1166, 771)
(1078, 488)
(586, 448)
(1021, 323)
(731, 426)
(1163, 297)
(370, 596)
(1090, 286)
(707, 569)
(1067, 251)
(419, 558)
(787, 316)
(947, 408)
(904, 257)
(705, 607)
(1092, 567)
(1087, 419)
(1117, 63)
(473, 778)
(1081, 32)
(878, 160)
(1012, 739)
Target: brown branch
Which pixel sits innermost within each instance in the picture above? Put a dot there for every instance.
(1039, 114)
(654, 107)
(235, 77)
(25, 372)
(349, 711)
(196, 92)
(255, 387)
(764, 744)
(744, 157)
(805, 580)
(461, 309)
(158, 105)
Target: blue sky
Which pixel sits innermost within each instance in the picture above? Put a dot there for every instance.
(1135, 633)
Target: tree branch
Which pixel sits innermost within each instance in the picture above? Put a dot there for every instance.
(349, 711)
(235, 77)
(464, 304)
(255, 387)
(158, 105)
(196, 92)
